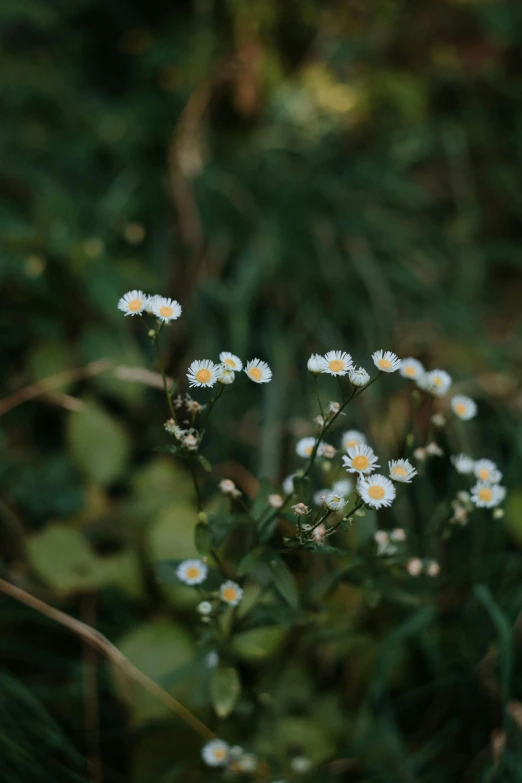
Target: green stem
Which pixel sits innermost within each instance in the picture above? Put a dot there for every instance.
(199, 501)
(163, 375)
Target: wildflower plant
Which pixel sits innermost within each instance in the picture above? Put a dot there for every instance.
(333, 515)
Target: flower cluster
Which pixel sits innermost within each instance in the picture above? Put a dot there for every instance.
(195, 572)
(218, 753)
(205, 372)
(136, 303)
(487, 492)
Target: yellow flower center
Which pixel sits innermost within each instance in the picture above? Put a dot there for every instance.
(398, 471)
(255, 373)
(485, 494)
(483, 474)
(437, 381)
(361, 462)
(230, 363)
(166, 312)
(220, 754)
(203, 375)
(352, 443)
(192, 572)
(411, 372)
(376, 492)
(135, 305)
(229, 594)
(308, 451)
(336, 365)
(461, 409)
(384, 364)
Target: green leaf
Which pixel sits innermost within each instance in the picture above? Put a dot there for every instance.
(99, 444)
(258, 643)
(225, 688)
(203, 538)
(167, 448)
(205, 464)
(284, 581)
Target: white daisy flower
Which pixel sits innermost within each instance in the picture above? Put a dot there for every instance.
(205, 608)
(353, 438)
(358, 376)
(486, 470)
(337, 363)
(225, 376)
(485, 495)
(376, 491)
(304, 447)
(401, 470)
(463, 407)
(230, 593)
(258, 371)
(192, 572)
(202, 372)
(343, 486)
(165, 309)
(431, 567)
(334, 502)
(398, 535)
(320, 495)
(231, 361)
(360, 459)
(133, 302)
(463, 464)
(316, 364)
(436, 382)
(411, 368)
(215, 753)
(386, 361)
(414, 566)
(275, 501)
(288, 484)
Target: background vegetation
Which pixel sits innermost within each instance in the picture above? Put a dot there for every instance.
(301, 176)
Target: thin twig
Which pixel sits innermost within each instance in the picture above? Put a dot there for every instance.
(90, 695)
(100, 642)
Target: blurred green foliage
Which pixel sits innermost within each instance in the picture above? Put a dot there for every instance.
(300, 176)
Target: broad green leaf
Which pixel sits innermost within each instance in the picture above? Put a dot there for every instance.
(63, 559)
(157, 648)
(99, 444)
(258, 643)
(284, 581)
(225, 688)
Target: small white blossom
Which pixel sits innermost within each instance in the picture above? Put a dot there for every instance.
(463, 464)
(258, 371)
(205, 608)
(165, 309)
(316, 364)
(192, 572)
(436, 382)
(230, 593)
(485, 495)
(337, 363)
(202, 373)
(486, 470)
(305, 447)
(376, 491)
(360, 459)
(353, 438)
(275, 501)
(334, 502)
(414, 566)
(231, 361)
(343, 486)
(386, 361)
(225, 376)
(431, 567)
(358, 376)
(215, 753)
(412, 369)
(398, 535)
(401, 470)
(133, 302)
(300, 509)
(463, 407)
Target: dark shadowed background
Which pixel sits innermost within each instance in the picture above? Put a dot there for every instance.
(301, 176)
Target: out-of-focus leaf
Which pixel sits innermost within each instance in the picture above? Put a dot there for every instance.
(205, 464)
(157, 648)
(225, 688)
(258, 643)
(284, 581)
(98, 442)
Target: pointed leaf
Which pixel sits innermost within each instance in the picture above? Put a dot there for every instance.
(225, 688)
